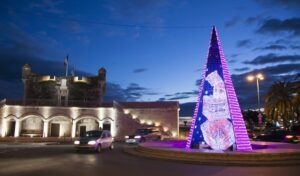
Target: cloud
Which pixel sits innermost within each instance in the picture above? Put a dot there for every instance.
(231, 61)
(289, 44)
(137, 10)
(187, 109)
(232, 22)
(136, 13)
(272, 58)
(133, 92)
(244, 43)
(233, 58)
(116, 92)
(234, 55)
(50, 6)
(289, 4)
(179, 95)
(277, 26)
(246, 91)
(10, 71)
(198, 82)
(271, 47)
(282, 69)
(83, 40)
(17, 48)
(14, 39)
(11, 77)
(140, 70)
(295, 47)
(73, 26)
(242, 69)
(254, 19)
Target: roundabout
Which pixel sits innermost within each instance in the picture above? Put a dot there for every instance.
(263, 154)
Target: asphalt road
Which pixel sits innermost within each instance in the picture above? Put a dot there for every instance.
(45, 160)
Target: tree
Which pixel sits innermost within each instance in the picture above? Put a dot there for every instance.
(296, 101)
(279, 102)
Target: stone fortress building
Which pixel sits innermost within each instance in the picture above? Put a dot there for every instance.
(54, 106)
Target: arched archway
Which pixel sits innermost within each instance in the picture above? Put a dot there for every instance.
(31, 126)
(9, 125)
(59, 126)
(86, 123)
(106, 125)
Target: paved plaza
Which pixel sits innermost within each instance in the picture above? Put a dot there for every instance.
(41, 159)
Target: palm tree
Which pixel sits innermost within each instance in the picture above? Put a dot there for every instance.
(279, 102)
(296, 100)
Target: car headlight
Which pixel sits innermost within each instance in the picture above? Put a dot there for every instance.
(76, 142)
(137, 137)
(126, 137)
(92, 142)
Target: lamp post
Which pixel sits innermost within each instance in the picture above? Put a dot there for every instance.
(257, 77)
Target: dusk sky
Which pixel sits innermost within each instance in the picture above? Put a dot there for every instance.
(152, 49)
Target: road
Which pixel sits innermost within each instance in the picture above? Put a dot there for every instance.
(46, 160)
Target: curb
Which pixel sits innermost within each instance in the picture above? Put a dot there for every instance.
(35, 143)
(227, 159)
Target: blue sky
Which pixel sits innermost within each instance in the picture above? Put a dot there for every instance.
(152, 49)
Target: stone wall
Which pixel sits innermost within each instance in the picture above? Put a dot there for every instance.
(17, 119)
(165, 118)
(31, 119)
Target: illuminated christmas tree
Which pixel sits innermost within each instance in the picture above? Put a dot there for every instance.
(217, 121)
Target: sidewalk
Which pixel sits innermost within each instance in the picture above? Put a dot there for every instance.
(49, 140)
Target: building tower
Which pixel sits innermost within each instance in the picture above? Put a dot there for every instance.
(101, 84)
(26, 72)
(217, 121)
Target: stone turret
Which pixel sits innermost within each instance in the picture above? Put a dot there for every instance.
(26, 71)
(102, 74)
(60, 91)
(101, 83)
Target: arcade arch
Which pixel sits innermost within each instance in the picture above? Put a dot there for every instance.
(31, 126)
(59, 126)
(86, 123)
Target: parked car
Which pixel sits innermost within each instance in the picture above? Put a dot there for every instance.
(143, 135)
(251, 134)
(95, 140)
(278, 136)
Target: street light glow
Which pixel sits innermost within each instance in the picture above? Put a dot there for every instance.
(250, 78)
(260, 76)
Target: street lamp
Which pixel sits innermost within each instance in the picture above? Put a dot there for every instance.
(257, 77)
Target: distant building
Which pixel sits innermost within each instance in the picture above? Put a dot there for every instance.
(185, 121)
(63, 90)
(55, 106)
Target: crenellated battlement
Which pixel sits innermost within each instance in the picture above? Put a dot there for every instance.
(81, 79)
(63, 89)
(46, 78)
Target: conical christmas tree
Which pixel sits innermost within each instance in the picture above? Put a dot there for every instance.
(217, 121)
